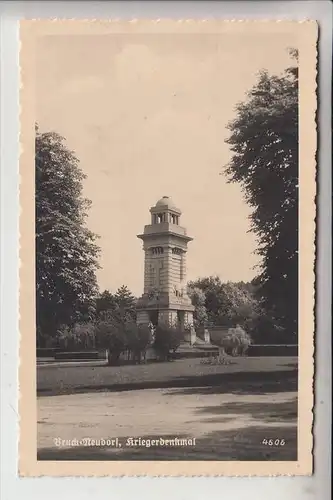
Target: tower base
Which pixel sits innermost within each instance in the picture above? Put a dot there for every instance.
(165, 312)
(172, 317)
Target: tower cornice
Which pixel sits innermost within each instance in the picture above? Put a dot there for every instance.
(147, 236)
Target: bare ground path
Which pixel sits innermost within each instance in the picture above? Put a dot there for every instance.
(231, 411)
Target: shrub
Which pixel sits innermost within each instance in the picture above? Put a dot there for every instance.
(138, 338)
(236, 342)
(79, 337)
(112, 337)
(120, 337)
(167, 340)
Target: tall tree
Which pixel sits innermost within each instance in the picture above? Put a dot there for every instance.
(264, 142)
(215, 300)
(105, 302)
(126, 302)
(66, 252)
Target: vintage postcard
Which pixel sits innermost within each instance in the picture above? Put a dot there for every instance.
(167, 247)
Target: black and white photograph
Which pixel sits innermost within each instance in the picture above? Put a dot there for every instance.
(173, 168)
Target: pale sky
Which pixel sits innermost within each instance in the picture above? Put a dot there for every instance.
(146, 116)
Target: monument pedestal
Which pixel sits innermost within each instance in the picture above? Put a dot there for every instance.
(190, 336)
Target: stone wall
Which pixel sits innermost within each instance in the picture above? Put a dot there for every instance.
(217, 333)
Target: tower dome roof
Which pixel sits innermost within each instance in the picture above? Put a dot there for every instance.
(166, 202)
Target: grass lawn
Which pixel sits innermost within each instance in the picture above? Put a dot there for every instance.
(243, 374)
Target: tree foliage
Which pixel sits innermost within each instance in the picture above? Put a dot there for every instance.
(111, 335)
(264, 144)
(81, 336)
(236, 342)
(66, 250)
(126, 302)
(226, 304)
(105, 302)
(116, 328)
(198, 299)
(118, 337)
(121, 305)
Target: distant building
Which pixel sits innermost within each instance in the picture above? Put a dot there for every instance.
(165, 298)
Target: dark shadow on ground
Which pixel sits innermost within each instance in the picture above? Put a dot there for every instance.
(242, 382)
(289, 365)
(243, 444)
(245, 383)
(285, 411)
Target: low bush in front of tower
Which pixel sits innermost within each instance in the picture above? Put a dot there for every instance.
(126, 341)
(167, 341)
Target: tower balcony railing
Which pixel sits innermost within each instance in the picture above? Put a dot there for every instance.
(165, 227)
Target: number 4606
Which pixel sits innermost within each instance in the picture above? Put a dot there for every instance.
(273, 442)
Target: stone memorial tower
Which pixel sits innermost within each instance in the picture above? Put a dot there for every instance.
(165, 298)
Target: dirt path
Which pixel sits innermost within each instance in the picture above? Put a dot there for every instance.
(225, 426)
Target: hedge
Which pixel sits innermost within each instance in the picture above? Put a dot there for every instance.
(273, 350)
(45, 352)
(82, 355)
(254, 350)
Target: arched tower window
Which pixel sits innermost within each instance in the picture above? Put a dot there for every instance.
(157, 250)
(177, 251)
(169, 217)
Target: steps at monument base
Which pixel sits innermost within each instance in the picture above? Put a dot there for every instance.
(197, 350)
(202, 344)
